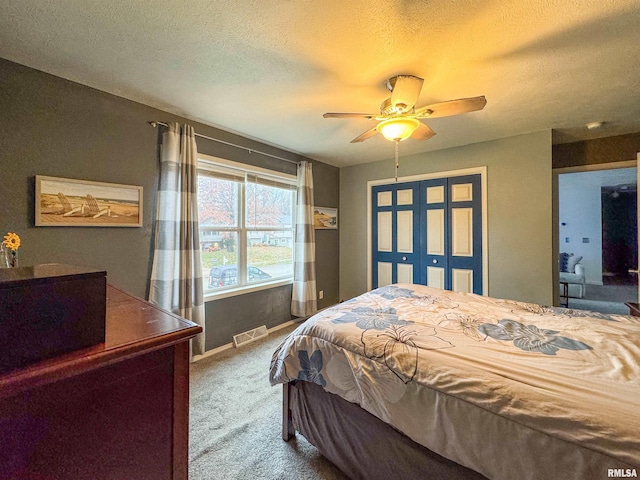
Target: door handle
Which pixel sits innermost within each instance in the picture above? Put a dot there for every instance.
(435, 260)
(631, 270)
(404, 259)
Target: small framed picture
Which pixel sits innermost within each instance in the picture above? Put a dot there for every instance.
(67, 202)
(325, 218)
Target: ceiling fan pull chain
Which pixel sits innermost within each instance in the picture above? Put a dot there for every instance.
(397, 145)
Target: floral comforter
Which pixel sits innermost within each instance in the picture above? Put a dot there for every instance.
(547, 391)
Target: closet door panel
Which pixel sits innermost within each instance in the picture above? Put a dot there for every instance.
(405, 273)
(405, 231)
(385, 232)
(436, 242)
(435, 277)
(462, 280)
(385, 273)
(462, 232)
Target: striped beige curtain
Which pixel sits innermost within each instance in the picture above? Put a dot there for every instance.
(176, 274)
(303, 301)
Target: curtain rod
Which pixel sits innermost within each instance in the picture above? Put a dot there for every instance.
(250, 150)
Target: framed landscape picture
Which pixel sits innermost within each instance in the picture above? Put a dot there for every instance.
(66, 202)
(325, 218)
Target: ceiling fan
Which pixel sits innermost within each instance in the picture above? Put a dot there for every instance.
(399, 119)
(398, 115)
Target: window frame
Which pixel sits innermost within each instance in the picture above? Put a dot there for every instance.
(219, 166)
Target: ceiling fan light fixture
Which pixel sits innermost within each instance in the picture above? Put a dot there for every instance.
(398, 129)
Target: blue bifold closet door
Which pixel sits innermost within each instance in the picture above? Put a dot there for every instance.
(428, 232)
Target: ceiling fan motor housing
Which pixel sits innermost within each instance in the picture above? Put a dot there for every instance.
(387, 108)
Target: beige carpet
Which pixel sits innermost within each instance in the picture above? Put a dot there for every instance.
(235, 421)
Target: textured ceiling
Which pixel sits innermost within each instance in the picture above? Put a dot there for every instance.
(269, 69)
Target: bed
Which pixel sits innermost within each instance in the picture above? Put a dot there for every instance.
(408, 379)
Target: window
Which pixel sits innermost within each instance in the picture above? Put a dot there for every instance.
(246, 218)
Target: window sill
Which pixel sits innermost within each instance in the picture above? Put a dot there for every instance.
(232, 292)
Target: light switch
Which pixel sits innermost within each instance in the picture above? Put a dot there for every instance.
(585, 240)
(566, 239)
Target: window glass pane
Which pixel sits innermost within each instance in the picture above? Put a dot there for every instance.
(269, 255)
(269, 206)
(217, 202)
(219, 258)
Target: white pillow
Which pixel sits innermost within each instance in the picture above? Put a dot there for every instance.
(572, 262)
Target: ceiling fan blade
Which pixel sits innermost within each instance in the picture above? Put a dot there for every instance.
(405, 90)
(365, 135)
(452, 107)
(351, 115)
(423, 132)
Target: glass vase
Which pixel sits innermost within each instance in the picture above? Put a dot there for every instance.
(13, 258)
(8, 258)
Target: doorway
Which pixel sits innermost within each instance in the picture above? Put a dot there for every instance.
(597, 215)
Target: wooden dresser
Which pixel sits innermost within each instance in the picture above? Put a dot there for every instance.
(117, 410)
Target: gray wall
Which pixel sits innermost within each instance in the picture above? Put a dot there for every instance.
(519, 212)
(51, 126)
(327, 194)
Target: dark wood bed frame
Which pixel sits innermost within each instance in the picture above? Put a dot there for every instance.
(358, 443)
(288, 432)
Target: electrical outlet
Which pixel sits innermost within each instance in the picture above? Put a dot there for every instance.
(321, 294)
